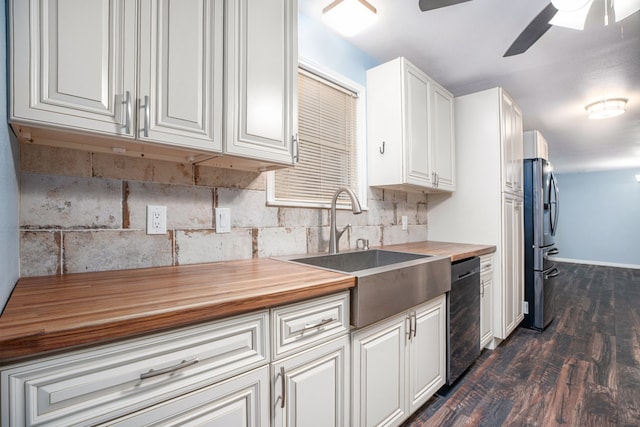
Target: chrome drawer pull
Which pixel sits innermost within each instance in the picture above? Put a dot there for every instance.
(320, 324)
(181, 365)
(284, 390)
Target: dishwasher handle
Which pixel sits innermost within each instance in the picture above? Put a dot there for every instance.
(467, 274)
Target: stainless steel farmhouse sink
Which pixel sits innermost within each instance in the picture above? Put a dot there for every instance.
(388, 282)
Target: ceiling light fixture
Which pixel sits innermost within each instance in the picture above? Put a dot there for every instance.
(606, 108)
(638, 178)
(349, 17)
(573, 13)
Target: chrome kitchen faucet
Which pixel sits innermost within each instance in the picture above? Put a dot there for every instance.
(334, 234)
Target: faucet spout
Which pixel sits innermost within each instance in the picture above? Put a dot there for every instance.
(334, 234)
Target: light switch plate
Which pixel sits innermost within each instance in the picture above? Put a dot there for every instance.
(404, 222)
(223, 220)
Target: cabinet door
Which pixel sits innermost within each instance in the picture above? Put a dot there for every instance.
(486, 307)
(312, 388)
(508, 268)
(486, 300)
(73, 64)
(518, 259)
(518, 151)
(261, 79)
(180, 91)
(443, 141)
(378, 384)
(241, 401)
(427, 363)
(417, 139)
(512, 146)
(507, 145)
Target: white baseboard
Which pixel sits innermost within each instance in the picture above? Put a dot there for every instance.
(602, 263)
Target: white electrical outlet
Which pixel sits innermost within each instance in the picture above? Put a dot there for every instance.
(525, 307)
(223, 220)
(156, 219)
(404, 222)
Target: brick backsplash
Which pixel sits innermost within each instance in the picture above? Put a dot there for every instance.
(83, 211)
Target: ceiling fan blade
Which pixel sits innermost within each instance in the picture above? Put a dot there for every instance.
(533, 32)
(437, 4)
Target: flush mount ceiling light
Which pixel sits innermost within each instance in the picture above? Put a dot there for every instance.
(606, 108)
(348, 17)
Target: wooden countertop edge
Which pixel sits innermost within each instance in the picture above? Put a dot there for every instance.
(66, 339)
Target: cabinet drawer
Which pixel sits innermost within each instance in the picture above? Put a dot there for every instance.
(96, 385)
(298, 326)
(240, 401)
(486, 263)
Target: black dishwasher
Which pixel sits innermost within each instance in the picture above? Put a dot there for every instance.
(463, 317)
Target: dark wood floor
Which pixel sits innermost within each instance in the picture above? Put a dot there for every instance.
(583, 370)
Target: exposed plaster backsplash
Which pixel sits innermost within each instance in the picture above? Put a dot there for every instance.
(82, 211)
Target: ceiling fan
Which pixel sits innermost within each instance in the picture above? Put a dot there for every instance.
(564, 13)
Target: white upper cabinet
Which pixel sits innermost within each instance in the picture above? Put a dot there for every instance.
(261, 87)
(409, 129)
(512, 146)
(442, 125)
(71, 72)
(180, 90)
(190, 79)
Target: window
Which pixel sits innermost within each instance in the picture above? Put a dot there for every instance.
(331, 144)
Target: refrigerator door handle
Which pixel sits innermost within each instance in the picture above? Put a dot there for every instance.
(553, 273)
(556, 204)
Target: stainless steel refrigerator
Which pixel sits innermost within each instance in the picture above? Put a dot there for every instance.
(541, 209)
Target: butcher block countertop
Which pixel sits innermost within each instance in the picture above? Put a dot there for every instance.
(58, 312)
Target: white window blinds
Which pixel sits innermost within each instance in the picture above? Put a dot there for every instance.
(327, 133)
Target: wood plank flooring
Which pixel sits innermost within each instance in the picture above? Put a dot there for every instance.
(583, 370)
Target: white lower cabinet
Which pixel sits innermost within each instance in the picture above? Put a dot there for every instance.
(311, 360)
(398, 364)
(486, 301)
(215, 374)
(102, 383)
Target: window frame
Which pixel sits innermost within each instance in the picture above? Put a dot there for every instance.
(361, 141)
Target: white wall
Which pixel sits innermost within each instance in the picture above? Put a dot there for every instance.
(600, 217)
(9, 196)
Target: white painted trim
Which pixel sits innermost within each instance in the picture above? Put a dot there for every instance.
(602, 263)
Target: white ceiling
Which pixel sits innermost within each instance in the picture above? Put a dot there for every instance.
(461, 47)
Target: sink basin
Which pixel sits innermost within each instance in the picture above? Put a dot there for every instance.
(349, 262)
(388, 282)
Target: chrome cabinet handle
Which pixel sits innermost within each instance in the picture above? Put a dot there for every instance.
(283, 387)
(168, 370)
(482, 288)
(410, 328)
(296, 148)
(415, 323)
(127, 114)
(320, 324)
(145, 129)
